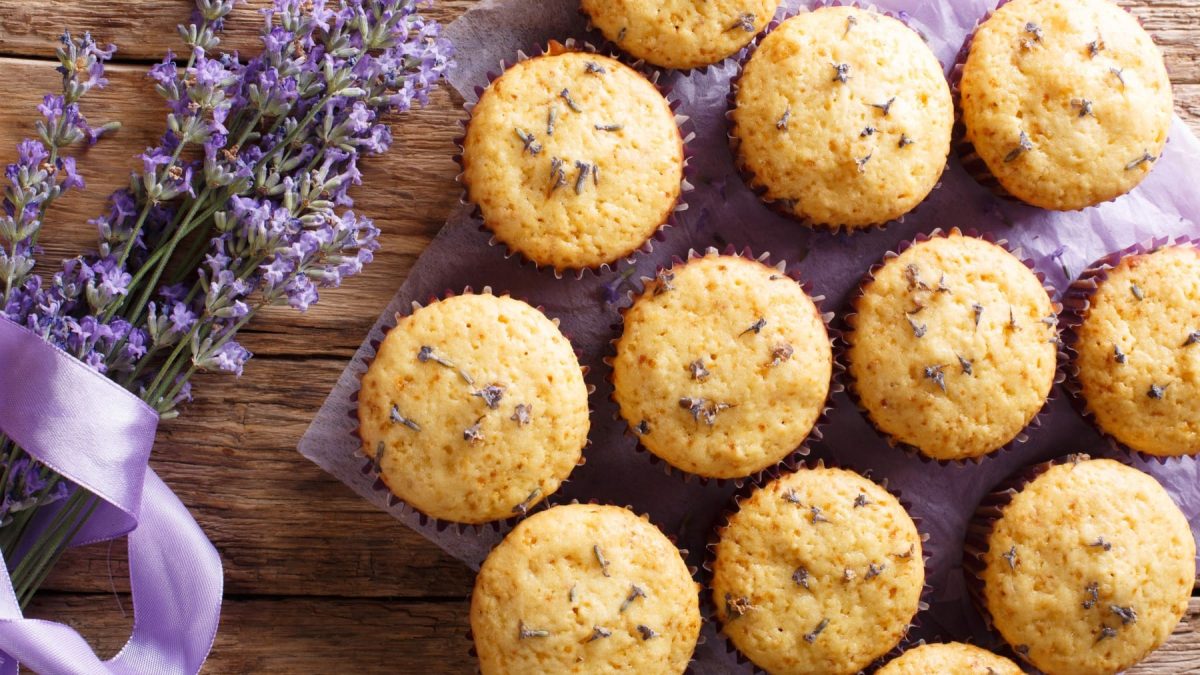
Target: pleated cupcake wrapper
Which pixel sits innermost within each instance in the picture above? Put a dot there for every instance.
(1076, 303)
(835, 386)
(781, 206)
(395, 502)
(847, 332)
(968, 156)
(683, 123)
(631, 60)
(707, 603)
(683, 554)
(979, 530)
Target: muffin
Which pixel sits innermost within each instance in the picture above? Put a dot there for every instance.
(953, 348)
(843, 117)
(585, 589)
(1066, 102)
(1137, 352)
(1088, 567)
(474, 409)
(723, 366)
(952, 658)
(680, 33)
(573, 159)
(819, 571)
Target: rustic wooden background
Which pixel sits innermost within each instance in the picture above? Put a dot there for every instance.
(316, 580)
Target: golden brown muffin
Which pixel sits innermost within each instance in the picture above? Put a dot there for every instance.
(819, 571)
(680, 33)
(585, 589)
(843, 116)
(953, 347)
(1138, 352)
(1067, 102)
(723, 367)
(951, 658)
(573, 159)
(1089, 568)
(474, 408)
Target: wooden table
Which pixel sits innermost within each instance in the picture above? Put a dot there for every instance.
(316, 580)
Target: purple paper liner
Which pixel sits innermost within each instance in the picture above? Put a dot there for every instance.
(371, 467)
(847, 343)
(693, 571)
(722, 212)
(749, 177)
(683, 124)
(835, 385)
(979, 529)
(1077, 302)
(968, 156)
(629, 58)
(708, 604)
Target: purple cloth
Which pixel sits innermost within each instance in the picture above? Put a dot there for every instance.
(99, 436)
(723, 211)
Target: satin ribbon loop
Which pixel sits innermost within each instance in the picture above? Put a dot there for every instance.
(99, 436)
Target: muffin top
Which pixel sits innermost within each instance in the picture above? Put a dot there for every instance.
(844, 117)
(954, 658)
(573, 159)
(723, 367)
(953, 349)
(1066, 101)
(819, 571)
(680, 33)
(585, 589)
(1089, 568)
(474, 408)
(1138, 352)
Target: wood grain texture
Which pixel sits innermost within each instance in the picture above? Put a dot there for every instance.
(318, 581)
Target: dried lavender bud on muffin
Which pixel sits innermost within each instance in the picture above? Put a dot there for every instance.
(585, 589)
(474, 409)
(843, 117)
(819, 571)
(1089, 568)
(680, 33)
(1138, 352)
(952, 658)
(723, 367)
(1067, 102)
(953, 347)
(573, 159)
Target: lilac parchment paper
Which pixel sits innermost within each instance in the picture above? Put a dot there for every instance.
(722, 211)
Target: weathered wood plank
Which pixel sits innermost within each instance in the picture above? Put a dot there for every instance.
(300, 635)
(369, 636)
(145, 30)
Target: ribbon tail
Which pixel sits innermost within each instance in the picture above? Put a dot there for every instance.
(177, 582)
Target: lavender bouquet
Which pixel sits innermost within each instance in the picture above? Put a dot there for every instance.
(244, 204)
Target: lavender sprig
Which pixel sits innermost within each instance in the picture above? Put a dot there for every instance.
(243, 204)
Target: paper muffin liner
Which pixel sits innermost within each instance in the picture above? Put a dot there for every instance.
(968, 156)
(683, 123)
(835, 385)
(979, 530)
(848, 328)
(708, 605)
(369, 463)
(748, 176)
(1077, 302)
(693, 571)
(630, 59)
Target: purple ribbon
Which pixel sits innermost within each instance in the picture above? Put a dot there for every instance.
(99, 436)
